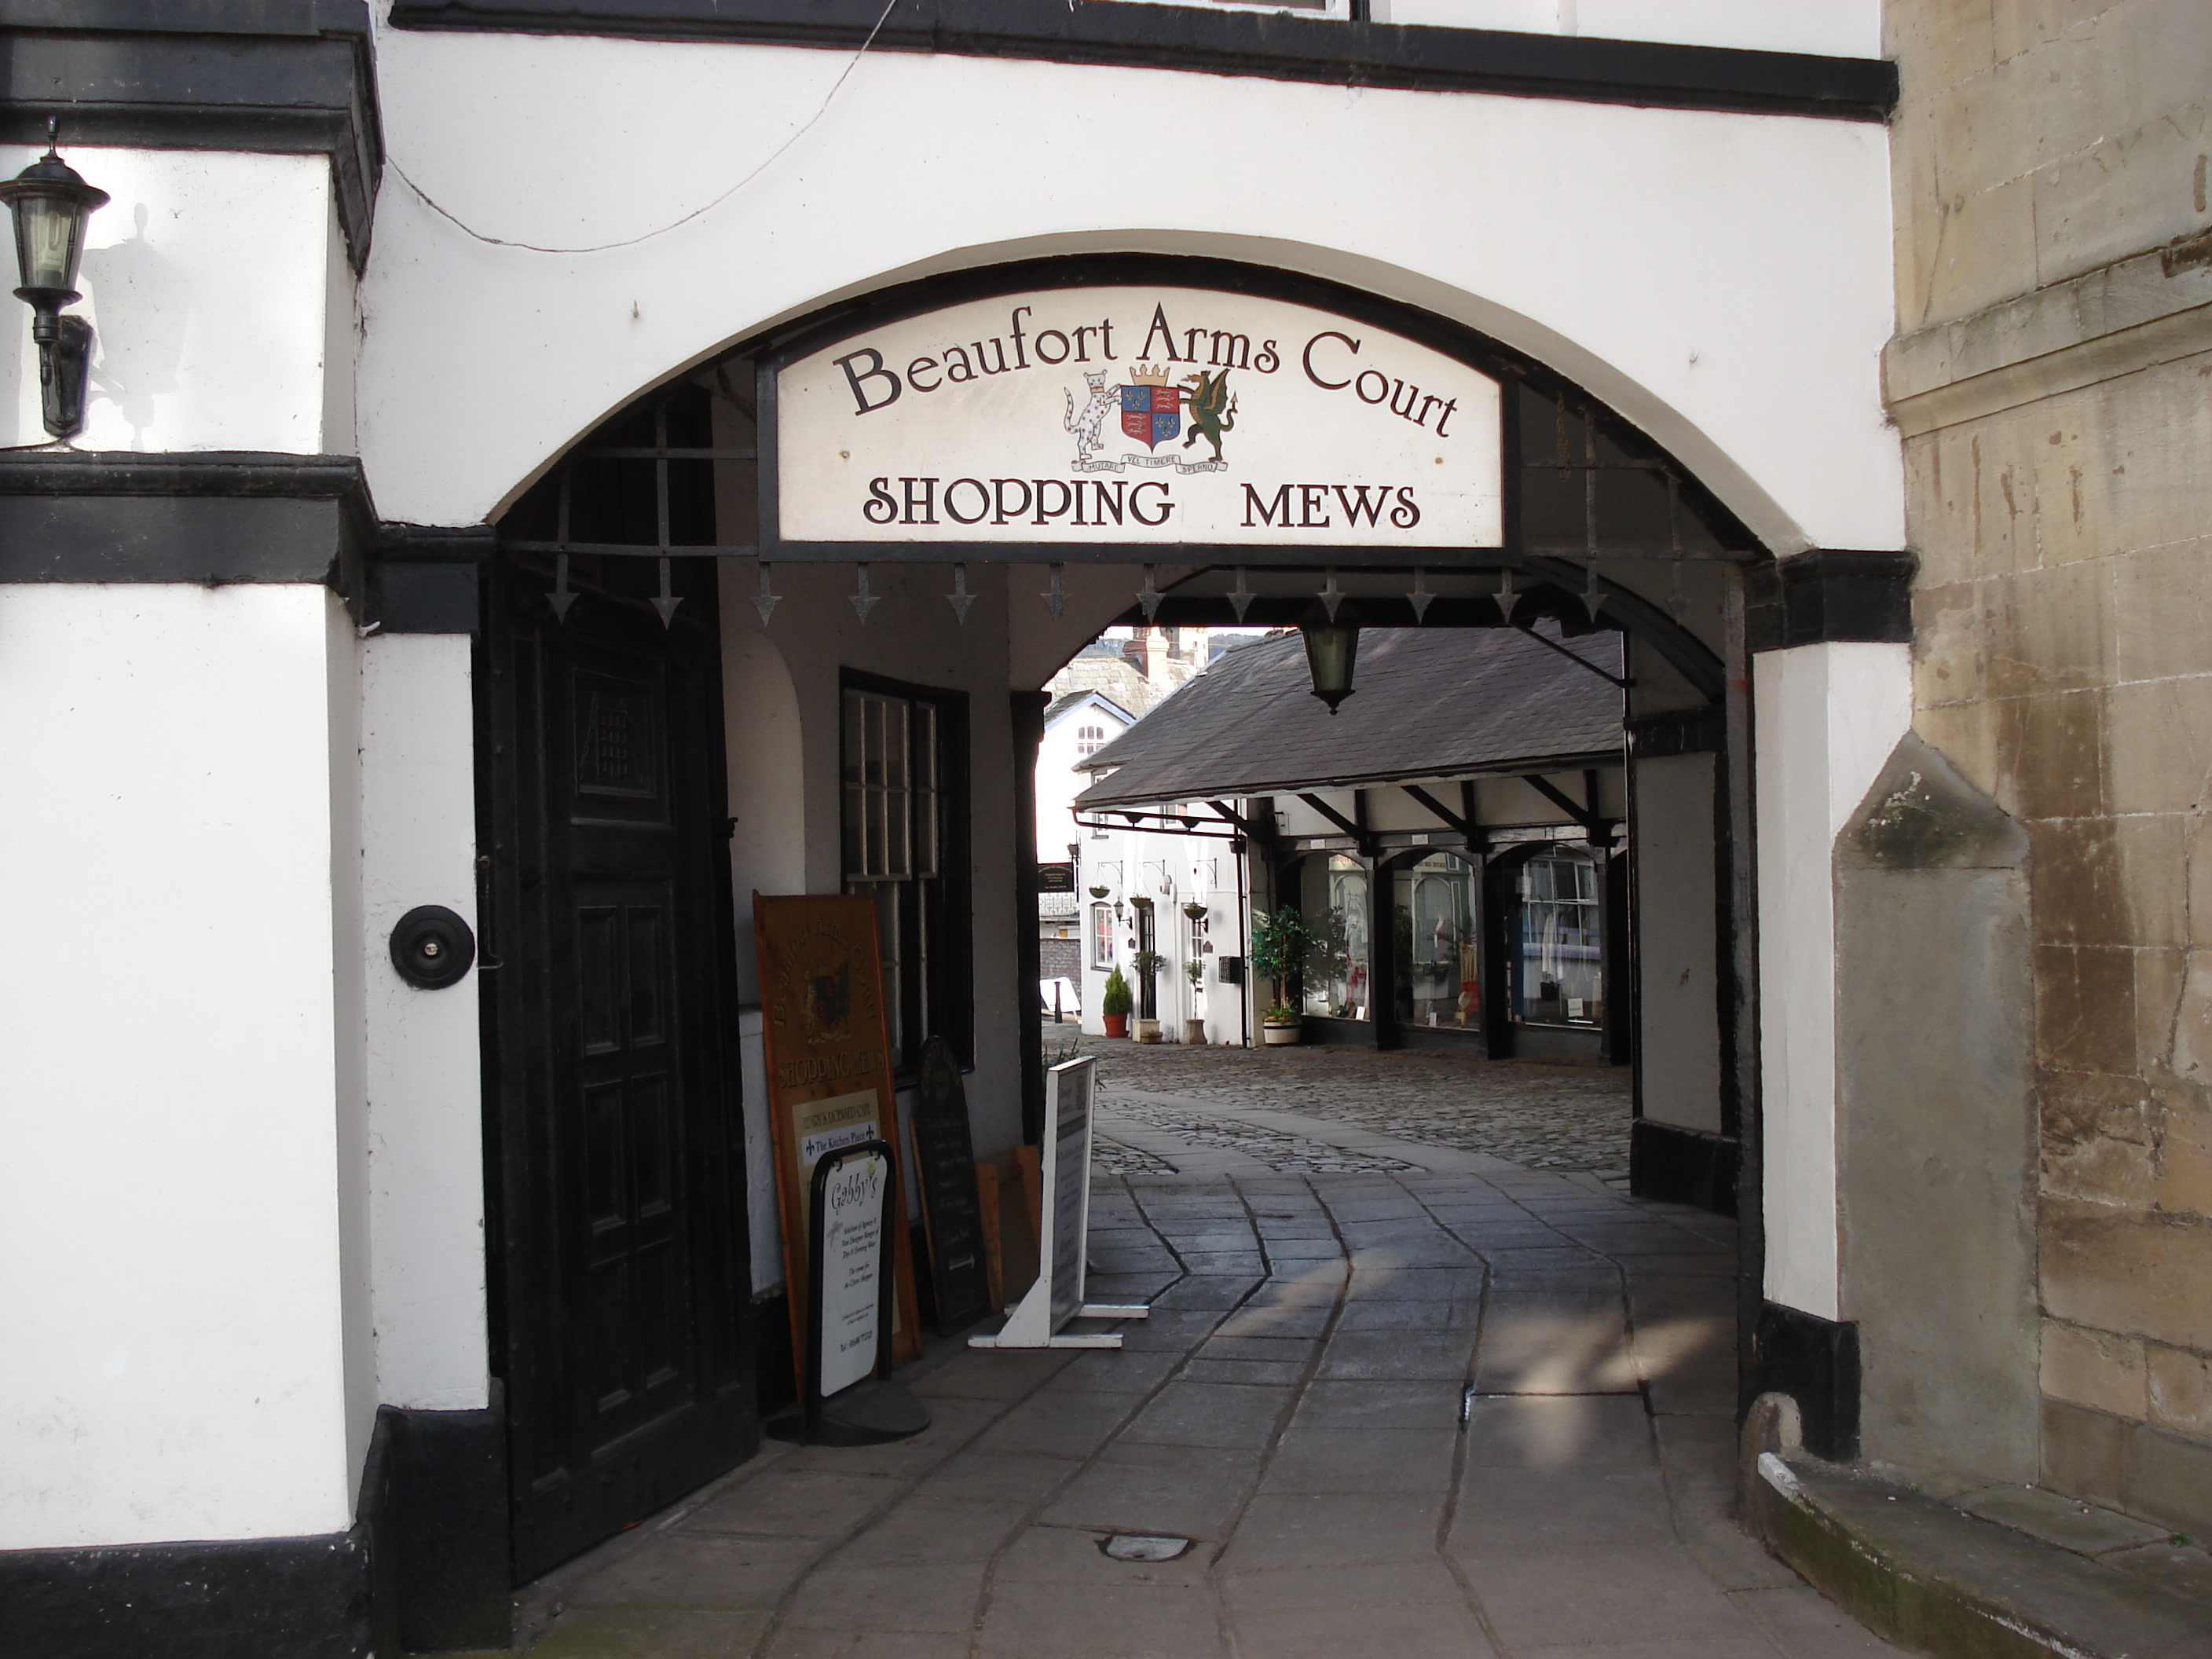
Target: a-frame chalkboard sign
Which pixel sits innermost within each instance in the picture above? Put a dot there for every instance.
(945, 1170)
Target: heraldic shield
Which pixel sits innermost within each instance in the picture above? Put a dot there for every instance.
(1152, 412)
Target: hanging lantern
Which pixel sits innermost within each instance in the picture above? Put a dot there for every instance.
(1330, 649)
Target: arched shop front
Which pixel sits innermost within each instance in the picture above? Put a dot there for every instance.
(605, 547)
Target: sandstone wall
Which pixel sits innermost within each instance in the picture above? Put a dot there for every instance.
(2052, 376)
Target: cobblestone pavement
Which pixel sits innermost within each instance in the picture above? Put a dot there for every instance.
(1541, 1117)
(1479, 1411)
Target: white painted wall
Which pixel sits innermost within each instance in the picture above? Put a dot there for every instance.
(1826, 719)
(174, 1365)
(1058, 782)
(216, 296)
(424, 1080)
(1678, 1012)
(1835, 28)
(1761, 280)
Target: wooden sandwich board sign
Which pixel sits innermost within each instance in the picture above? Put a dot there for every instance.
(944, 1172)
(827, 1050)
(847, 1396)
(1063, 1224)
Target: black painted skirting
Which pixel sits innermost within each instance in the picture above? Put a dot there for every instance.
(442, 1541)
(1832, 596)
(1676, 1165)
(1271, 45)
(292, 77)
(1815, 1362)
(423, 1569)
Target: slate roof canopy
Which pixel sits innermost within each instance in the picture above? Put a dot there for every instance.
(1428, 702)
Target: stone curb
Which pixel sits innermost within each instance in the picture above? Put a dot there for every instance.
(1927, 1576)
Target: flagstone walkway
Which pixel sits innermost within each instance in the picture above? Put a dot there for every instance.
(1467, 1411)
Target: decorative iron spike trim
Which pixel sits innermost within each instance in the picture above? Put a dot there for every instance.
(1593, 600)
(1055, 597)
(1241, 597)
(667, 604)
(960, 599)
(863, 601)
(1421, 597)
(1149, 595)
(561, 599)
(766, 600)
(1331, 595)
(1506, 597)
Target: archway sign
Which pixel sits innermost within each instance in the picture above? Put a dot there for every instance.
(1072, 422)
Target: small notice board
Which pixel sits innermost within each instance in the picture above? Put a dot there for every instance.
(827, 1050)
(1056, 1297)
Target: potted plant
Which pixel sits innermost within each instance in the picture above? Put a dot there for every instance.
(1100, 891)
(1193, 1029)
(1114, 1004)
(1195, 910)
(1280, 941)
(1147, 965)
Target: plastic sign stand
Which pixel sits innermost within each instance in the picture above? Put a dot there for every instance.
(848, 1398)
(1056, 1297)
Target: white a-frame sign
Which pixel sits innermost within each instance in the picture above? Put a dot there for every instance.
(1037, 1320)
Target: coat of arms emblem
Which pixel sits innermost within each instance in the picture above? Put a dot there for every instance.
(1152, 410)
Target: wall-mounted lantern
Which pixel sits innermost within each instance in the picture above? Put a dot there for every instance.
(50, 204)
(1330, 648)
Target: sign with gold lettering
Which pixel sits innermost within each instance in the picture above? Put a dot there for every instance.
(1137, 415)
(827, 1050)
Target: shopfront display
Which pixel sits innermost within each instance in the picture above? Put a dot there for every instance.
(1436, 923)
(1555, 955)
(1333, 897)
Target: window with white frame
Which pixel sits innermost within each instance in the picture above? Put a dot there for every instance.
(1089, 739)
(1102, 936)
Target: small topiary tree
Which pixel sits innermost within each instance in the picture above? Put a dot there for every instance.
(1280, 943)
(1116, 999)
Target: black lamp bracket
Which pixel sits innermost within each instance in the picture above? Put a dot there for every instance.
(65, 345)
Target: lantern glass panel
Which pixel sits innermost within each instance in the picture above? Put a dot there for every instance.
(49, 238)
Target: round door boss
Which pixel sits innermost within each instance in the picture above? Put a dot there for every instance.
(431, 947)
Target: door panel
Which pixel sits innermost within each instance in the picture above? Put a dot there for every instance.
(620, 1280)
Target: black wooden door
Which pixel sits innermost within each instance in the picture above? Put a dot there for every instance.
(615, 1138)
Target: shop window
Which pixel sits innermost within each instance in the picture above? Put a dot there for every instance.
(1555, 943)
(1102, 936)
(904, 844)
(1439, 943)
(1333, 898)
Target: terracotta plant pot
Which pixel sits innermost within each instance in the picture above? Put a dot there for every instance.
(1116, 1025)
(1274, 1034)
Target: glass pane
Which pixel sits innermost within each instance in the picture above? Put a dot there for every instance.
(887, 928)
(854, 756)
(1433, 906)
(855, 853)
(1557, 942)
(1334, 900)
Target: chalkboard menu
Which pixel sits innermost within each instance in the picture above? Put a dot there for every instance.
(944, 1168)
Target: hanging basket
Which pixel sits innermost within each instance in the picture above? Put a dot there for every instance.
(1100, 892)
(1195, 911)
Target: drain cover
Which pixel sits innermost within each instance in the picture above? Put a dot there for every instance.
(1144, 1545)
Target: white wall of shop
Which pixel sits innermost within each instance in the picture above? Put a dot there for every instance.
(175, 1275)
(1172, 871)
(1827, 717)
(1058, 782)
(1761, 279)
(222, 303)
(424, 1081)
